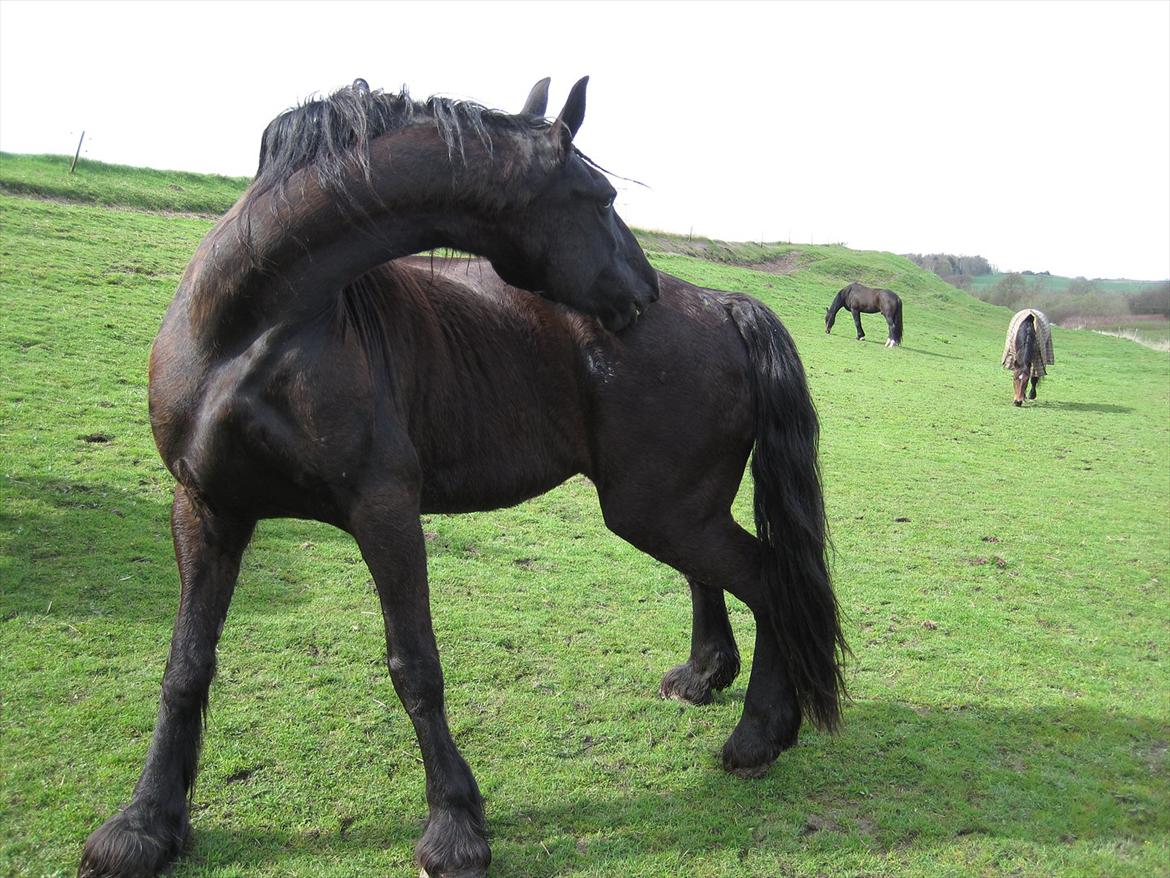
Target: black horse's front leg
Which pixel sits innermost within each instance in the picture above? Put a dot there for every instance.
(1032, 392)
(143, 838)
(714, 659)
(387, 528)
(857, 323)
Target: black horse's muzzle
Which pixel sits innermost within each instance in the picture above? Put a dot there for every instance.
(618, 317)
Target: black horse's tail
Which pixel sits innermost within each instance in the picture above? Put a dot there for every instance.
(790, 515)
(896, 338)
(1026, 344)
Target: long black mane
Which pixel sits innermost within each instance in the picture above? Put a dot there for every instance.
(1026, 343)
(333, 134)
(839, 301)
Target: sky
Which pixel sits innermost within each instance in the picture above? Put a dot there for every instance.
(1035, 134)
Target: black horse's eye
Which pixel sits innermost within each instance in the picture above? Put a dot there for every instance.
(607, 204)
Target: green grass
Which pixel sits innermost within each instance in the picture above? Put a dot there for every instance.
(117, 185)
(1003, 574)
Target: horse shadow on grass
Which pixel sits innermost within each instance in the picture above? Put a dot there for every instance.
(81, 550)
(928, 353)
(1100, 407)
(899, 779)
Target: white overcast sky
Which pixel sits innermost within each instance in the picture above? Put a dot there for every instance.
(1036, 134)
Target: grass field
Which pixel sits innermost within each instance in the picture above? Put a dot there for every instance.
(1002, 571)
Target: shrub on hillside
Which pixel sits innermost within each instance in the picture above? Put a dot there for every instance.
(1154, 299)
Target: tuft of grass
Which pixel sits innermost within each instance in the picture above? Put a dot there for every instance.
(1002, 572)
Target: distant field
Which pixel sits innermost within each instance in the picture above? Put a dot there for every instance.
(1002, 573)
(1054, 284)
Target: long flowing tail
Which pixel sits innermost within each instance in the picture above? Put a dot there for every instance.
(1026, 344)
(897, 338)
(790, 516)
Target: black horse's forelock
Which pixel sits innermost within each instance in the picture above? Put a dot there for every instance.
(332, 135)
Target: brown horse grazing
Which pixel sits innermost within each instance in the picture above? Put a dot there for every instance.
(1027, 350)
(861, 299)
(284, 384)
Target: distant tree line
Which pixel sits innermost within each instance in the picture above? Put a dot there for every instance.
(1038, 289)
(955, 270)
(1080, 298)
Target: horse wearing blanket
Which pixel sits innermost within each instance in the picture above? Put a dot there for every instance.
(1028, 350)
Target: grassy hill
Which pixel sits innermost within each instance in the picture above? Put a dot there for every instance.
(1002, 571)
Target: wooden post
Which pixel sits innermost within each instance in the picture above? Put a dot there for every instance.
(76, 154)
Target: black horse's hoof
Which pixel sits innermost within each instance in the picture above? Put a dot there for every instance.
(1017, 402)
(695, 683)
(136, 842)
(683, 683)
(754, 745)
(748, 758)
(453, 846)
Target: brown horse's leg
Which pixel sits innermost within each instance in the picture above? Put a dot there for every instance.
(390, 536)
(857, 323)
(144, 837)
(1032, 393)
(714, 659)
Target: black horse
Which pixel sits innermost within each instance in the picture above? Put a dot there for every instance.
(278, 388)
(861, 299)
(295, 377)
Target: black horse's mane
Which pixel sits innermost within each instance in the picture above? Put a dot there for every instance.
(839, 299)
(332, 134)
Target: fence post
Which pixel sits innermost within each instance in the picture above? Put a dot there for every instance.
(76, 154)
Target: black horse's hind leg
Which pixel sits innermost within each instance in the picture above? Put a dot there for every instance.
(714, 659)
(1032, 393)
(144, 837)
(390, 536)
(891, 329)
(719, 550)
(857, 323)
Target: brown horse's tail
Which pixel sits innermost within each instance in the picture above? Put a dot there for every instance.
(790, 515)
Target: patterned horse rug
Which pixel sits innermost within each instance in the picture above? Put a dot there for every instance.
(1042, 353)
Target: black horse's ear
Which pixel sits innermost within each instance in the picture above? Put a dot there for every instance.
(573, 113)
(537, 102)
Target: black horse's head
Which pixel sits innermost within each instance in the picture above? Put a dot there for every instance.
(830, 319)
(566, 242)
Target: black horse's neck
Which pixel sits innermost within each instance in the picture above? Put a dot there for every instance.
(289, 243)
